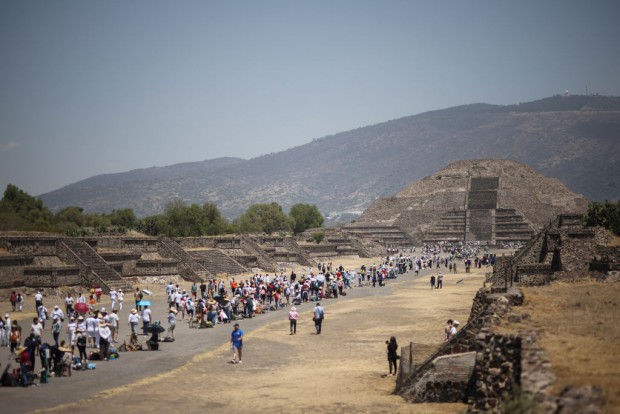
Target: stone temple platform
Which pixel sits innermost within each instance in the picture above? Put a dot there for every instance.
(492, 201)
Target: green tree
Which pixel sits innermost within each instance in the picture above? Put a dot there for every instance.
(318, 237)
(181, 220)
(21, 211)
(123, 218)
(97, 221)
(214, 222)
(304, 217)
(263, 218)
(72, 215)
(605, 214)
(151, 225)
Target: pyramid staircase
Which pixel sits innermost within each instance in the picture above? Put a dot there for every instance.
(480, 219)
(97, 270)
(265, 261)
(217, 262)
(189, 268)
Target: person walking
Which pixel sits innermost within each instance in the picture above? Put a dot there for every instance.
(113, 296)
(319, 315)
(172, 320)
(38, 300)
(137, 296)
(120, 296)
(105, 337)
(20, 302)
(114, 324)
(146, 318)
(132, 321)
(80, 341)
(13, 300)
(15, 337)
(432, 281)
(440, 280)
(236, 343)
(69, 304)
(56, 328)
(292, 317)
(392, 355)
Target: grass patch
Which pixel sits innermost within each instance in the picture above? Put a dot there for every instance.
(581, 329)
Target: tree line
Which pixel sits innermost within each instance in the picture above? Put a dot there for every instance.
(605, 214)
(20, 211)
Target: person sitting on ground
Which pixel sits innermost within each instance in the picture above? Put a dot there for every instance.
(153, 342)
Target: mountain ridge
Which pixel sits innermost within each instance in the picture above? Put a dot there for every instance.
(571, 138)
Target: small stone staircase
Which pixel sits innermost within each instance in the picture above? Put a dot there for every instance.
(302, 258)
(264, 260)
(189, 268)
(82, 254)
(217, 262)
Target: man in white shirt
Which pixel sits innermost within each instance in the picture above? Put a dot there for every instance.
(58, 313)
(120, 296)
(113, 297)
(38, 300)
(69, 304)
(146, 318)
(114, 325)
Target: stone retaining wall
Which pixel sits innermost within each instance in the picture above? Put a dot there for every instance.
(497, 372)
(34, 245)
(51, 276)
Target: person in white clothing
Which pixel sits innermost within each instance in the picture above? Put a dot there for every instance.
(113, 295)
(120, 296)
(58, 313)
(105, 336)
(113, 317)
(42, 311)
(146, 319)
(92, 331)
(71, 328)
(133, 321)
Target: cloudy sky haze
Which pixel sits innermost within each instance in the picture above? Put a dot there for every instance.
(94, 87)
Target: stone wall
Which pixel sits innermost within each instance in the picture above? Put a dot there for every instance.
(534, 275)
(487, 310)
(155, 268)
(51, 276)
(497, 372)
(133, 244)
(30, 245)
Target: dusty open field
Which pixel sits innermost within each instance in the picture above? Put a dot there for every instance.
(579, 322)
(341, 370)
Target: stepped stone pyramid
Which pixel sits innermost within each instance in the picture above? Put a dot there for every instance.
(475, 200)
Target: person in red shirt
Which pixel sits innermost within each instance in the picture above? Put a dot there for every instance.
(24, 364)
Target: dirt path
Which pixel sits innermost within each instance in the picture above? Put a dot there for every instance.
(341, 370)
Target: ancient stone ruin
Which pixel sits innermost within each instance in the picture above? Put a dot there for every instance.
(490, 201)
(50, 261)
(482, 367)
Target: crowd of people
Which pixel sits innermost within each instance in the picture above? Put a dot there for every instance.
(89, 325)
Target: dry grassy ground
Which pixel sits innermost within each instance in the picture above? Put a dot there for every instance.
(341, 370)
(581, 330)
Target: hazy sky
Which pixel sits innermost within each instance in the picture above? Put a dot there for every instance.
(92, 87)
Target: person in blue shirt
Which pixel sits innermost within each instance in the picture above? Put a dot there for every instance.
(236, 342)
(319, 314)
